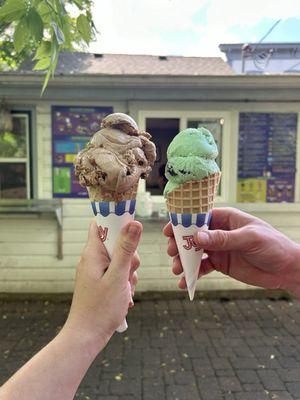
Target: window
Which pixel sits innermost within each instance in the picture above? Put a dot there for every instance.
(215, 126)
(162, 130)
(163, 125)
(15, 160)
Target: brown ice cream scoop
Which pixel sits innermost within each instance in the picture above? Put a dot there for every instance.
(121, 121)
(116, 158)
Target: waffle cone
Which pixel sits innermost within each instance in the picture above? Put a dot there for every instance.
(195, 196)
(98, 194)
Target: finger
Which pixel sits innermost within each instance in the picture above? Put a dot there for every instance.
(133, 282)
(254, 276)
(206, 267)
(220, 240)
(172, 247)
(168, 230)
(136, 261)
(177, 266)
(228, 218)
(95, 251)
(124, 251)
(182, 283)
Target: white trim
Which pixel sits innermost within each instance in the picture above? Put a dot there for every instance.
(24, 160)
(232, 145)
(297, 176)
(13, 160)
(183, 117)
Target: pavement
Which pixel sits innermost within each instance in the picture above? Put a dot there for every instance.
(174, 350)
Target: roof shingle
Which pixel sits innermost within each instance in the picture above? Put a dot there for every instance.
(125, 64)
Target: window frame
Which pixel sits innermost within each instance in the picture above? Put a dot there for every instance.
(25, 160)
(228, 157)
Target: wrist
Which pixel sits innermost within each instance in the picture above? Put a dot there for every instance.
(292, 280)
(89, 340)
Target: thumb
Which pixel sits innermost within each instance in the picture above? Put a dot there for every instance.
(124, 250)
(219, 240)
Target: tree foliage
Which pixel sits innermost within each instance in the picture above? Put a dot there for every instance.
(41, 29)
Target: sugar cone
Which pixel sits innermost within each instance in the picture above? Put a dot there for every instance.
(190, 208)
(112, 212)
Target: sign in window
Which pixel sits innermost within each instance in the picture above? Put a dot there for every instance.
(267, 157)
(72, 128)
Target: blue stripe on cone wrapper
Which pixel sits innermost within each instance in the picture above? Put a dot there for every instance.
(105, 208)
(184, 227)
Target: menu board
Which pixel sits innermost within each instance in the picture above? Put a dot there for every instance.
(267, 157)
(72, 128)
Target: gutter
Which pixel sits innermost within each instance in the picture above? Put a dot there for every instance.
(291, 81)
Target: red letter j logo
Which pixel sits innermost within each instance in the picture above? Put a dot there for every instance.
(190, 243)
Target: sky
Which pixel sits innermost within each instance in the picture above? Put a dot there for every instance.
(190, 27)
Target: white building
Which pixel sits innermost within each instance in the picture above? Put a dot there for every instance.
(44, 217)
(263, 58)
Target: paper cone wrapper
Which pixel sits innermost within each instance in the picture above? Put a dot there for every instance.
(190, 208)
(111, 217)
(184, 227)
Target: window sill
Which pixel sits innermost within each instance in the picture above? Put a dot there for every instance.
(33, 207)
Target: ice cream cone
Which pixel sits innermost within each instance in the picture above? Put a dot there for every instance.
(112, 213)
(110, 166)
(190, 207)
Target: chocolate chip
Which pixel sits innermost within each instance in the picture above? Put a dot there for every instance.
(141, 162)
(143, 175)
(128, 172)
(171, 171)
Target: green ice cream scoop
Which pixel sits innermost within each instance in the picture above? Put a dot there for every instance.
(191, 157)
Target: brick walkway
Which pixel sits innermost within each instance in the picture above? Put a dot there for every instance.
(209, 350)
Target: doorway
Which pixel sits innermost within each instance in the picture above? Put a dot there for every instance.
(162, 130)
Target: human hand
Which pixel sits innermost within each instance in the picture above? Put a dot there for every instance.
(245, 248)
(103, 288)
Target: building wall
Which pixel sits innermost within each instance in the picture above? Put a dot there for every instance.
(28, 243)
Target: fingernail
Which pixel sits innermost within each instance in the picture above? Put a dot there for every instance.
(203, 238)
(134, 230)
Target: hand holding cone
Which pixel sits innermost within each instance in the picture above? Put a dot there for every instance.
(110, 167)
(191, 155)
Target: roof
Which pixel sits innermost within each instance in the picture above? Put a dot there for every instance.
(225, 47)
(123, 64)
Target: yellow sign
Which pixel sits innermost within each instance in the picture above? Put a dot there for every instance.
(70, 158)
(252, 190)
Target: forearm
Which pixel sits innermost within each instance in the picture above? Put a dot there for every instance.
(292, 281)
(56, 371)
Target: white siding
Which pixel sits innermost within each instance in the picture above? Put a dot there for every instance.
(28, 260)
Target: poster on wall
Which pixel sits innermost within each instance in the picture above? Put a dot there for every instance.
(267, 157)
(72, 128)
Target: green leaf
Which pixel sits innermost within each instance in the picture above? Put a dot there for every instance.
(84, 27)
(54, 52)
(44, 63)
(21, 35)
(43, 51)
(78, 4)
(60, 5)
(58, 33)
(44, 12)
(35, 3)
(46, 80)
(13, 10)
(35, 24)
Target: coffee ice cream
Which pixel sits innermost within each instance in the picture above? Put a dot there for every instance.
(115, 159)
